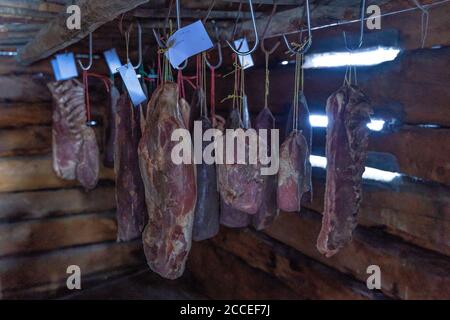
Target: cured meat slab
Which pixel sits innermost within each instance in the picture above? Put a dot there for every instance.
(268, 211)
(75, 149)
(170, 189)
(130, 195)
(293, 157)
(240, 185)
(304, 126)
(110, 139)
(206, 220)
(348, 112)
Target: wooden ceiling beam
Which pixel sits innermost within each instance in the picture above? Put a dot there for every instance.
(36, 5)
(192, 14)
(278, 2)
(56, 36)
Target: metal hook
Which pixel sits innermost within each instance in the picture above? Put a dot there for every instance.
(90, 56)
(219, 48)
(305, 47)
(127, 35)
(263, 48)
(161, 43)
(239, 53)
(425, 22)
(361, 32)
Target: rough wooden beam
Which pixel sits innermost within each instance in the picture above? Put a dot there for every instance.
(408, 272)
(50, 268)
(33, 5)
(192, 14)
(278, 2)
(37, 205)
(50, 234)
(307, 277)
(55, 36)
(34, 173)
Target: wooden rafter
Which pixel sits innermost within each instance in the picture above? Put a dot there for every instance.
(56, 36)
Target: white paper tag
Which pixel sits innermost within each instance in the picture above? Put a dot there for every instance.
(187, 42)
(112, 60)
(132, 84)
(242, 46)
(65, 66)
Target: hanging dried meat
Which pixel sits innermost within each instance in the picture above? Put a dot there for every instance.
(348, 112)
(269, 209)
(130, 196)
(75, 149)
(170, 189)
(240, 185)
(293, 157)
(206, 219)
(304, 126)
(114, 96)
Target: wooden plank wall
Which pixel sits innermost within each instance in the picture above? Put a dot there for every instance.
(47, 224)
(404, 224)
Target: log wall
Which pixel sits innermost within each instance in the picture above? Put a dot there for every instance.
(403, 224)
(48, 224)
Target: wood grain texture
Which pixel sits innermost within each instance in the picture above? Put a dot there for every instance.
(231, 278)
(413, 89)
(23, 88)
(50, 234)
(307, 277)
(408, 272)
(50, 268)
(13, 115)
(416, 212)
(55, 203)
(420, 152)
(25, 141)
(34, 173)
(56, 36)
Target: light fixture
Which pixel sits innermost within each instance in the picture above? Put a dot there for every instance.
(321, 121)
(369, 173)
(366, 57)
(284, 63)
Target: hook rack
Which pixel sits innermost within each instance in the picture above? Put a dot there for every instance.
(263, 48)
(305, 47)
(90, 56)
(240, 53)
(361, 32)
(163, 45)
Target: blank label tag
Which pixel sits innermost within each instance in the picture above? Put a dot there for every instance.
(187, 42)
(64, 66)
(132, 84)
(56, 70)
(242, 46)
(112, 60)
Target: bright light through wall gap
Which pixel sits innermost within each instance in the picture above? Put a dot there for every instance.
(321, 121)
(367, 57)
(369, 173)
